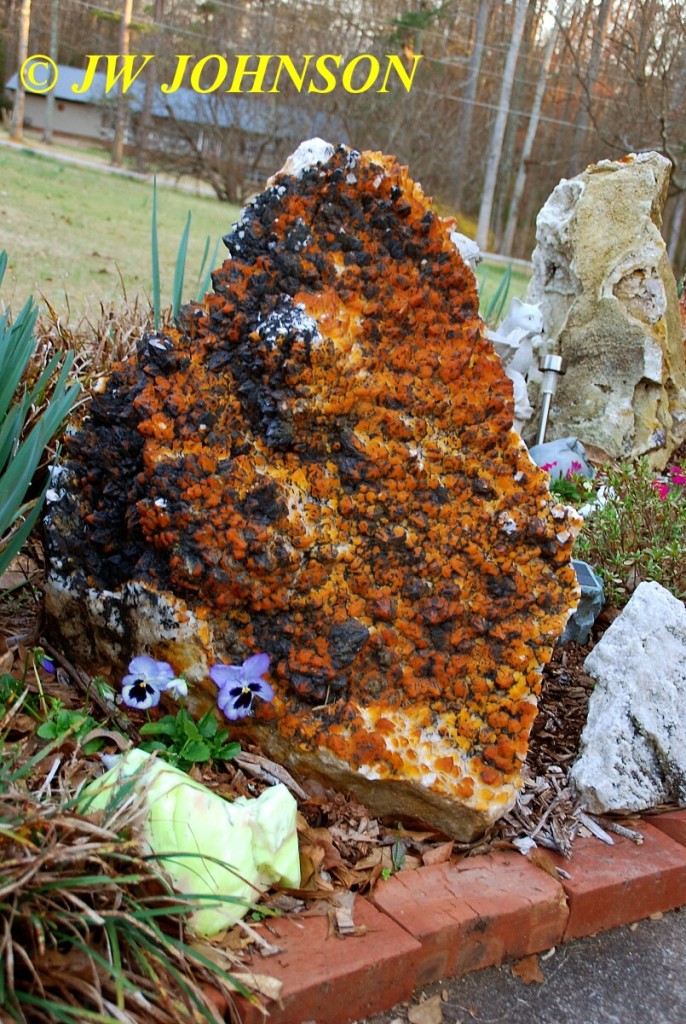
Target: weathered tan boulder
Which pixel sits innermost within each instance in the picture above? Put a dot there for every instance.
(318, 464)
(609, 301)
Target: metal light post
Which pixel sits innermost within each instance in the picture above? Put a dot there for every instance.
(551, 367)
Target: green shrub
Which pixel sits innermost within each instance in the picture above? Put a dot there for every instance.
(30, 417)
(639, 533)
(184, 742)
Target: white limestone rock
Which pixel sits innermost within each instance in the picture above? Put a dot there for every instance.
(609, 301)
(633, 747)
(308, 154)
(467, 248)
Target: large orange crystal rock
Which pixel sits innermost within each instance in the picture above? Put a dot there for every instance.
(319, 465)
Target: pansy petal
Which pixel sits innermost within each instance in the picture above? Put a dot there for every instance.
(233, 713)
(261, 688)
(226, 699)
(243, 700)
(140, 696)
(224, 675)
(143, 665)
(178, 688)
(256, 665)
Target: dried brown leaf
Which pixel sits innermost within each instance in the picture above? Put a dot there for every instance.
(528, 970)
(543, 861)
(428, 1012)
(438, 854)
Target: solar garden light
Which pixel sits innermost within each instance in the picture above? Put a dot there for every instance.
(551, 367)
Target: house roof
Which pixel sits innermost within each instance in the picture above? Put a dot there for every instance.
(66, 79)
(220, 109)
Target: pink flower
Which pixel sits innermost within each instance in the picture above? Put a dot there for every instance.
(661, 488)
(677, 476)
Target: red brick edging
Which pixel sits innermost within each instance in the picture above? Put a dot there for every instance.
(448, 919)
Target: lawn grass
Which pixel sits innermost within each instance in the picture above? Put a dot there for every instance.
(80, 237)
(73, 234)
(490, 274)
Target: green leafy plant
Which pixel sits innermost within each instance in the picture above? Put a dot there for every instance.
(61, 723)
(180, 268)
(11, 690)
(203, 279)
(492, 310)
(30, 417)
(204, 274)
(573, 489)
(637, 532)
(92, 929)
(184, 742)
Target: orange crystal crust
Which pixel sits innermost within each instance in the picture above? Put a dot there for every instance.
(319, 463)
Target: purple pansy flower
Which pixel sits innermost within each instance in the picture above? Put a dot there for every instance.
(146, 680)
(240, 684)
(44, 662)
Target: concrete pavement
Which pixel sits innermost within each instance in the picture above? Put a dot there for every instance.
(629, 975)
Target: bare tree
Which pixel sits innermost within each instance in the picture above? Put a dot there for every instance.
(470, 93)
(499, 124)
(588, 80)
(53, 52)
(17, 125)
(122, 105)
(534, 120)
(151, 84)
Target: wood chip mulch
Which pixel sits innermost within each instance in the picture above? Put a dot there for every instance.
(345, 848)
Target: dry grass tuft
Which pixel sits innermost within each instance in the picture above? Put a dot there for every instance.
(89, 927)
(101, 337)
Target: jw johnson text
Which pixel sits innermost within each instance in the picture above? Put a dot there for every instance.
(260, 72)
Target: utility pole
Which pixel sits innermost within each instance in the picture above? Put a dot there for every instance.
(17, 125)
(120, 128)
(50, 98)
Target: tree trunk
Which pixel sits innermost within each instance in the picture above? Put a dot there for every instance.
(469, 99)
(50, 98)
(151, 84)
(528, 146)
(497, 135)
(120, 129)
(17, 125)
(576, 149)
(675, 233)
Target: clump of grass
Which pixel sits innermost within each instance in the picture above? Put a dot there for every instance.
(89, 927)
(104, 335)
(34, 403)
(639, 533)
(493, 305)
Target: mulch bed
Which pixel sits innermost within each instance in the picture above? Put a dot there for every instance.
(344, 846)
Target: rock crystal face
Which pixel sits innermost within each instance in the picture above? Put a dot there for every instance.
(318, 464)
